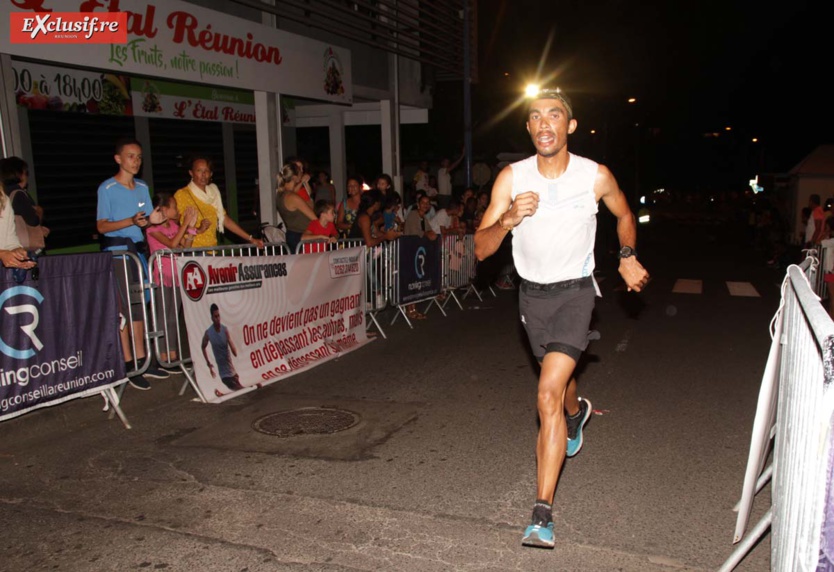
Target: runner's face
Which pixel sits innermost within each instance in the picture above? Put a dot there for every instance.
(200, 173)
(549, 126)
(130, 159)
(215, 317)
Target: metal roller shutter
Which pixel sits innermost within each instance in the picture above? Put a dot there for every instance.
(72, 155)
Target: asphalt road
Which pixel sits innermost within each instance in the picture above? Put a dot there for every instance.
(439, 472)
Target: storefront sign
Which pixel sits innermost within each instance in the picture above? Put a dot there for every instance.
(182, 41)
(38, 86)
(59, 336)
(253, 321)
(154, 98)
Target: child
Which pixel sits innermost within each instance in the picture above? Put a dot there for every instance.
(165, 236)
(324, 228)
(391, 213)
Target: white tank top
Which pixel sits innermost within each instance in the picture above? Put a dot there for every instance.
(557, 242)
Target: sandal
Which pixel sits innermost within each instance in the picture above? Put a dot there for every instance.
(415, 314)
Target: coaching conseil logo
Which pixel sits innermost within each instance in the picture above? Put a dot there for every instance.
(28, 328)
(68, 27)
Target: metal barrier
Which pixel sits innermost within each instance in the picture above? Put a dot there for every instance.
(170, 341)
(379, 272)
(458, 266)
(796, 402)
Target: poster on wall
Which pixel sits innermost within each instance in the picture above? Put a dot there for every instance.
(156, 98)
(254, 321)
(185, 42)
(53, 88)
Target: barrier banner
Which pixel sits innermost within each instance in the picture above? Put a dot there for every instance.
(59, 336)
(254, 320)
(419, 265)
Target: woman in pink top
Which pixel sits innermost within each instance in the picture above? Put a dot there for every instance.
(169, 235)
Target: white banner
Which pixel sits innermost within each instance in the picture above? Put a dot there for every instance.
(156, 98)
(254, 320)
(182, 41)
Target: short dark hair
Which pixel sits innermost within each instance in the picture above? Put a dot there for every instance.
(815, 198)
(553, 93)
(12, 170)
(200, 157)
(124, 142)
(392, 199)
(356, 178)
(322, 205)
(368, 199)
(453, 204)
(161, 199)
(213, 308)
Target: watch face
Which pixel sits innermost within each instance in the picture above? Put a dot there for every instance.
(626, 251)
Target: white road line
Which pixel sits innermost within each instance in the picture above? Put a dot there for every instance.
(742, 289)
(686, 286)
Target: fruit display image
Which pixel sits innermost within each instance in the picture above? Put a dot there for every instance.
(333, 84)
(115, 99)
(106, 94)
(150, 99)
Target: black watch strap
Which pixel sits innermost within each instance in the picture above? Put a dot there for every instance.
(626, 252)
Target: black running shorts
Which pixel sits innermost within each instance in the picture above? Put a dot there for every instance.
(557, 316)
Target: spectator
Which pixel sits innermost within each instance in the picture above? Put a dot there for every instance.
(363, 227)
(169, 235)
(204, 196)
(444, 178)
(294, 210)
(384, 184)
(347, 208)
(391, 212)
(14, 173)
(12, 255)
(124, 210)
(323, 228)
(325, 191)
(417, 223)
(413, 207)
(421, 177)
(431, 188)
(818, 218)
(446, 221)
(302, 186)
(467, 217)
(807, 227)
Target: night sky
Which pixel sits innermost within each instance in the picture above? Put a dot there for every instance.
(694, 67)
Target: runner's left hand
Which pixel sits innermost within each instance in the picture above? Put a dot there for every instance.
(636, 277)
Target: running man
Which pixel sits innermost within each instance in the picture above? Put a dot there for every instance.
(223, 348)
(549, 202)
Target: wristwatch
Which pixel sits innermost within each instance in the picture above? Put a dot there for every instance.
(625, 252)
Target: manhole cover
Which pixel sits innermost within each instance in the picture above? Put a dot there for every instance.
(305, 421)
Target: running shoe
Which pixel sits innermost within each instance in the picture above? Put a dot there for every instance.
(538, 535)
(157, 373)
(139, 382)
(575, 425)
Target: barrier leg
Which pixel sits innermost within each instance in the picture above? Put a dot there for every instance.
(745, 545)
(375, 322)
(401, 310)
(434, 302)
(475, 290)
(118, 395)
(452, 296)
(192, 382)
(112, 399)
(765, 477)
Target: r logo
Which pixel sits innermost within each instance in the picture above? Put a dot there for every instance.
(194, 280)
(29, 328)
(420, 262)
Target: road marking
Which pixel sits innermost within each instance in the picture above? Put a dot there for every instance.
(742, 289)
(685, 286)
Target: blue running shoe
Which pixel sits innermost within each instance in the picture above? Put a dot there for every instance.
(539, 536)
(575, 425)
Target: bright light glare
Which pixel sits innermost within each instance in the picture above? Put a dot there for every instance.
(593, 131)
(366, 187)
(632, 99)
(643, 219)
(532, 90)
(643, 200)
(755, 139)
